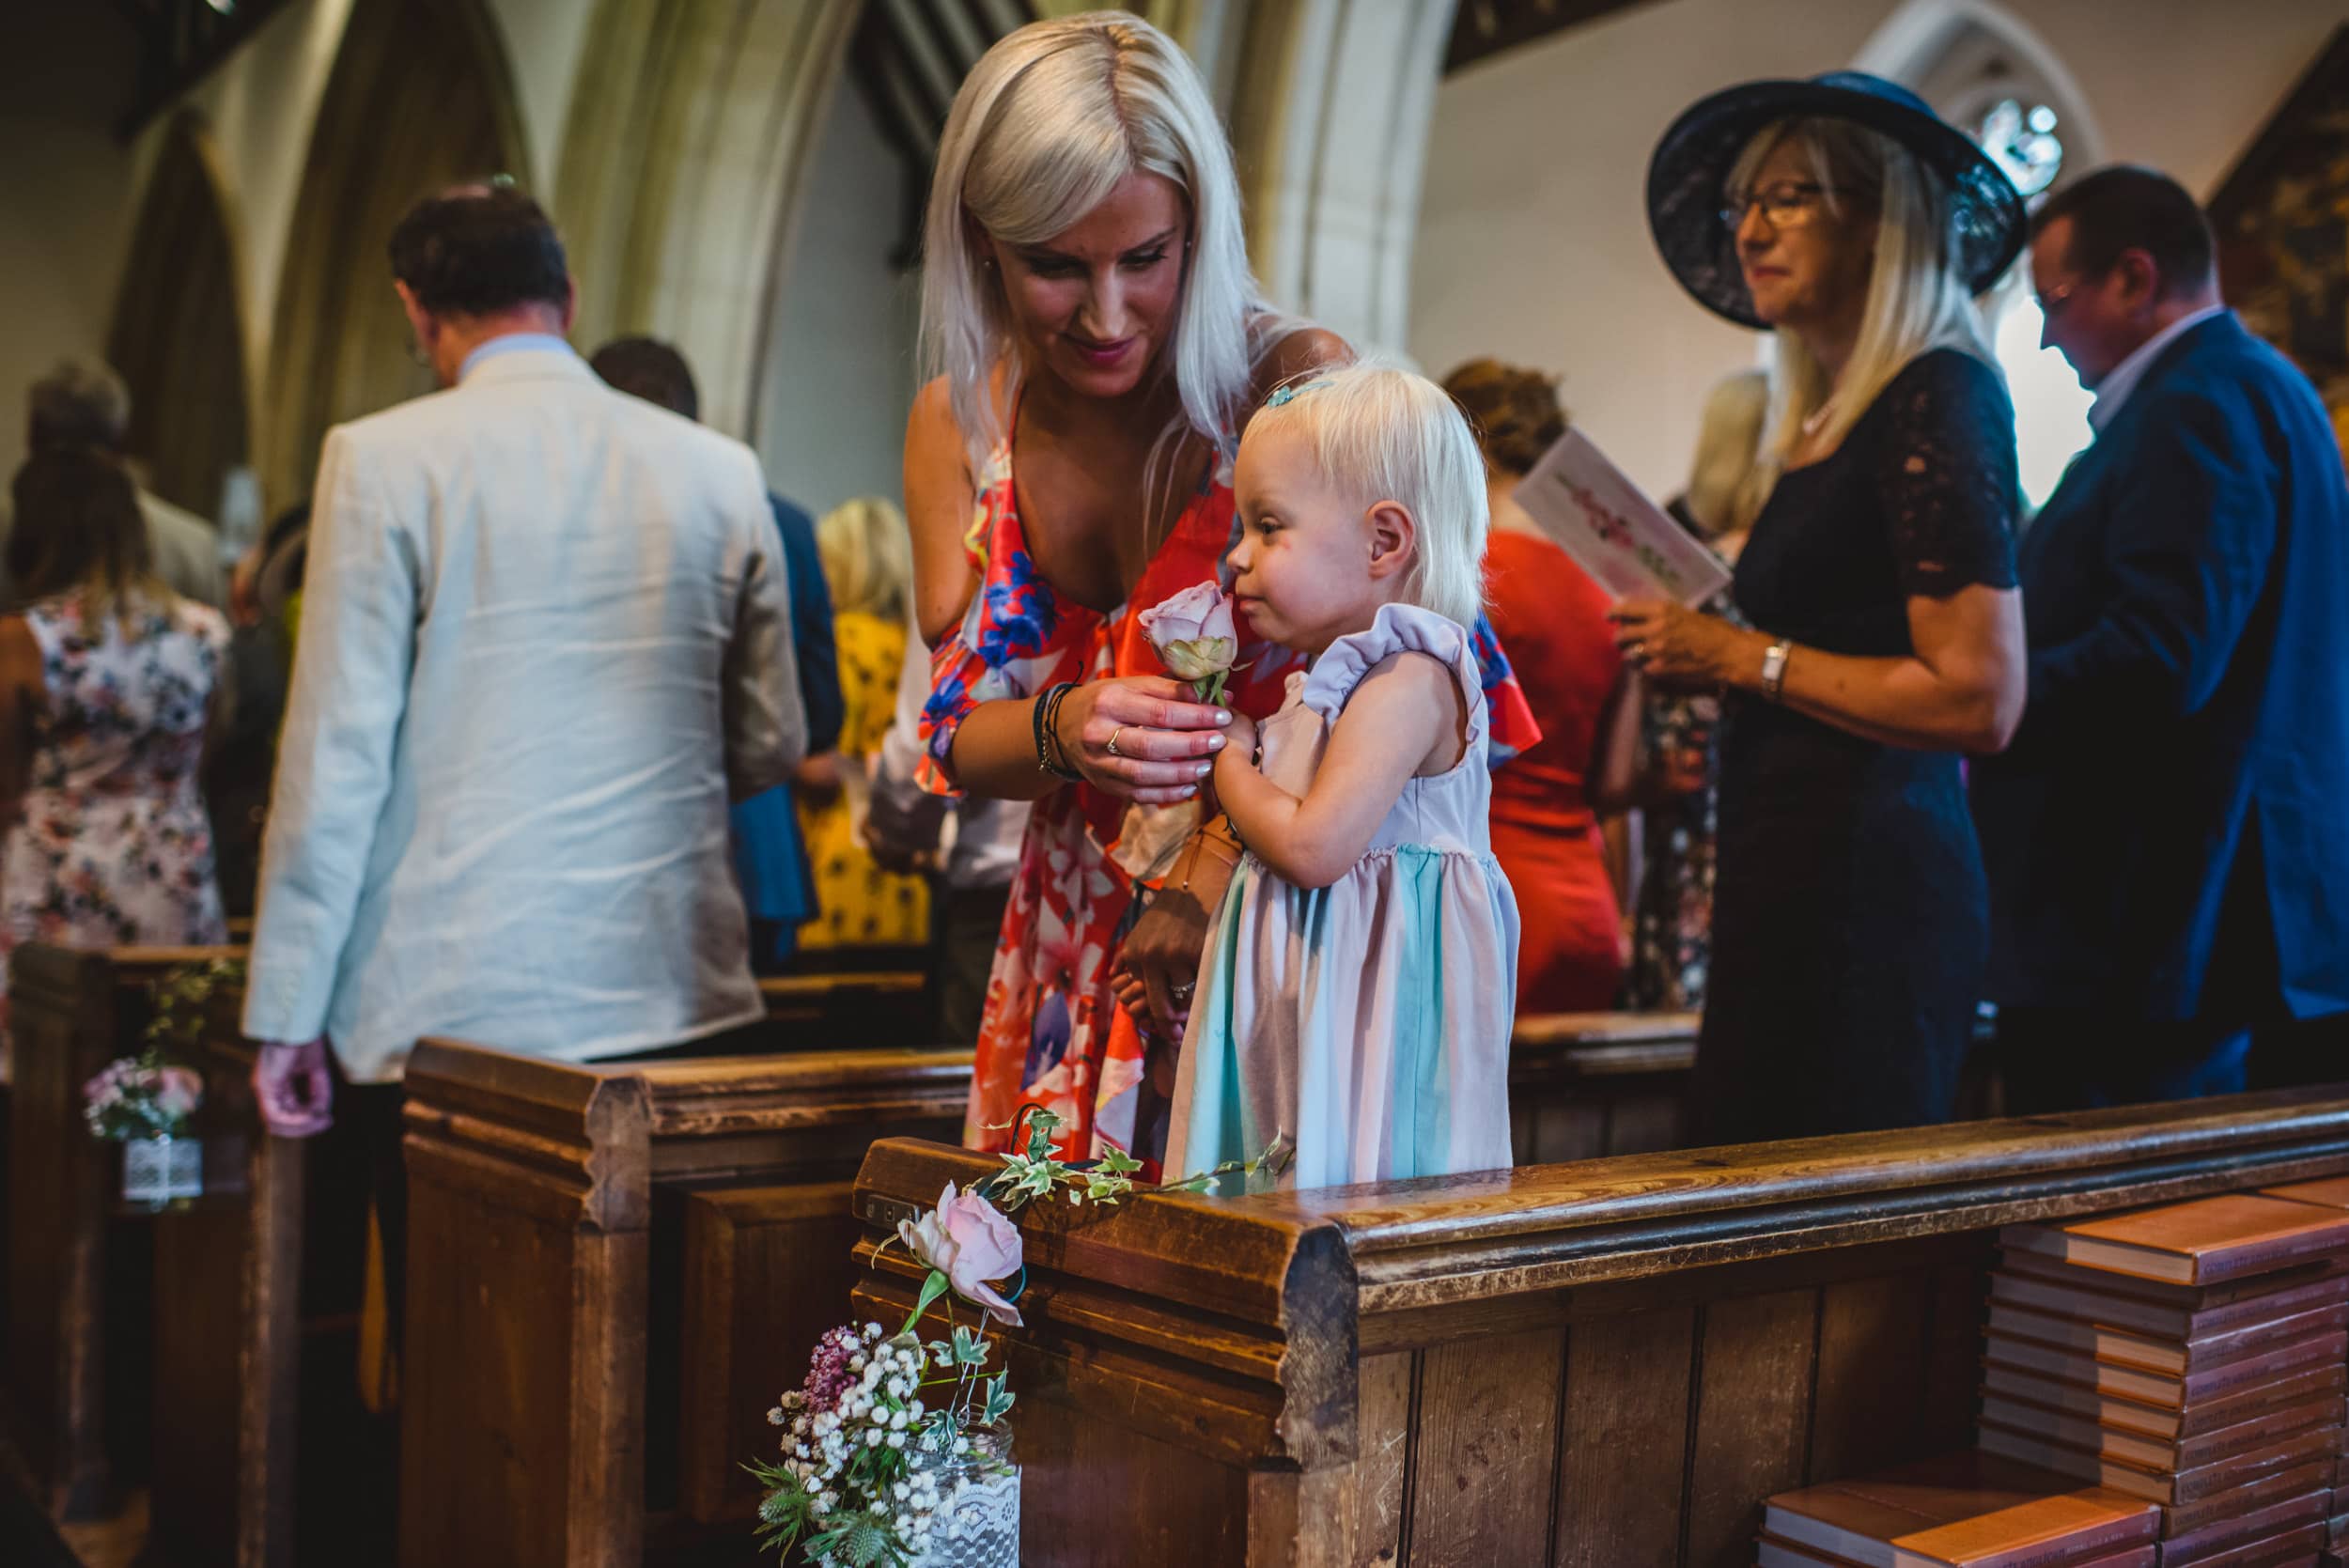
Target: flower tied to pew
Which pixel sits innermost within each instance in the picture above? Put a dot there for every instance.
(866, 1454)
(1194, 637)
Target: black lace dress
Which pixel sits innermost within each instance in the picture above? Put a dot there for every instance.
(1850, 918)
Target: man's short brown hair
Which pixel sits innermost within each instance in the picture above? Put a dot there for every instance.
(2123, 208)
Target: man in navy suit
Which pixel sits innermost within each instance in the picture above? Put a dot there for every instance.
(2167, 838)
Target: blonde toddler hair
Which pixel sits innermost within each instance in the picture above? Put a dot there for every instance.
(1383, 433)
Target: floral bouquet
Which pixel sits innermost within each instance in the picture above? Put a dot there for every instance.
(145, 1102)
(141, 1096)
(1192, 633)
(882, 1467)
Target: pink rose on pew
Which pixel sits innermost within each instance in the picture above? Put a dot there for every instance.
(968, 1241)
(1192, 632)
(178, 1092)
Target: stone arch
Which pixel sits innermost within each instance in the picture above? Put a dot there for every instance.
(177, 336)
(685, 156)
(1329, 112)
(1964, 57)
(1959, 55)
(420, 97)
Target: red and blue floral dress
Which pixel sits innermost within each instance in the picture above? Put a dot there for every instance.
(1052, 1031)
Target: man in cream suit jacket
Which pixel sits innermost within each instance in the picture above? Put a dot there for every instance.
(545, 635)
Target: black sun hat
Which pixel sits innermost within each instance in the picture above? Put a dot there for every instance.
(1987, 221)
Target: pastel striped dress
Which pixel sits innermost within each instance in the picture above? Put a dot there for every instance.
(1368, 1020)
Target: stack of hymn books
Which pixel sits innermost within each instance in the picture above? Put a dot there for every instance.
(2191, 1355)
(1962, 1510)
(2330, 1193)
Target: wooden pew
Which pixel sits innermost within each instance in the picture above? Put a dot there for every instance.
(229, 1482)
(1603, 1364)
(881, 1007)
(611, 1271)
(232, 1324)
(70, 1013)
(1586, 1084)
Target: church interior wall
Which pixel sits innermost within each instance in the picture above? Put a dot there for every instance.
(839, 366)
(1530, 236)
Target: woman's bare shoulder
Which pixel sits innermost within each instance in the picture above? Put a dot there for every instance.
(1300, 350)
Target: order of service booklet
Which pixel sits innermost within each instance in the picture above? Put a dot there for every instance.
(1630, 545)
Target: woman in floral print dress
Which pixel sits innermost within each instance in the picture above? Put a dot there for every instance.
(106, 684)
(1098, 340)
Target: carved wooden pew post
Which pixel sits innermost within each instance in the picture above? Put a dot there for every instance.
(1598, 1363)
(1586, 1084)
(228, 1330)
(70, 1014)
(549, 1270)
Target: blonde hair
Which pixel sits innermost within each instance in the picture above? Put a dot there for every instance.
(1383, 433)
(1916, 301)
(1044, 126)
(867, 555)
(1727, 478)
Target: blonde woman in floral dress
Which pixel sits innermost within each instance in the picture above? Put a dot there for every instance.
(867, 566)
(106, 685)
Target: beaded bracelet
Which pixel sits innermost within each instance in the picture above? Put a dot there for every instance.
(1044, 718)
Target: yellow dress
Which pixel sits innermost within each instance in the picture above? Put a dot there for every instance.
(858, 904)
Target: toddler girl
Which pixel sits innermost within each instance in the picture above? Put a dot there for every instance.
(1357, 987)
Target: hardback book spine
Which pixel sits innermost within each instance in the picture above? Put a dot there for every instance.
(2160, 1486)
(2028, 1279)
(2186, 1518)
(2157, 1422)
(2255, 1524)
(2155, 1354)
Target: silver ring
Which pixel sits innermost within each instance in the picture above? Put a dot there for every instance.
(1113, 734)
(1637, 649)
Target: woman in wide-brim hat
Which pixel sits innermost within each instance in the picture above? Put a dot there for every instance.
(1850, 914)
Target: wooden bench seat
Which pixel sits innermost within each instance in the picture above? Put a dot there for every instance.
(1602, 1363)
(593, 1313)
(254, 1305)
(1586, 1084)
(70, 1013)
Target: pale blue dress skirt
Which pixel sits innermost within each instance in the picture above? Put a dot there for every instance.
(1368, 1021)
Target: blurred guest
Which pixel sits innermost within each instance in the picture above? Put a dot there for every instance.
(770, 857)
(904, 827)
(868, 561)
(264, 612)
(84, 406)
(1679, 771)
(1552, 618)
(1728, 479)
(2166, 840)
(107, 678)
(1850, 919)
(545, 633)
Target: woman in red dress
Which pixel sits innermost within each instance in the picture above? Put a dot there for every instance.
(1097, 341)
(1547, 804)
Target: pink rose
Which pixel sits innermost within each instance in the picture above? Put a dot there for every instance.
(1192, 632)
(968, 1241)
(180, 1090)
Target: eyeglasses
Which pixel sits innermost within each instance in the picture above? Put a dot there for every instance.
(1788, 204)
